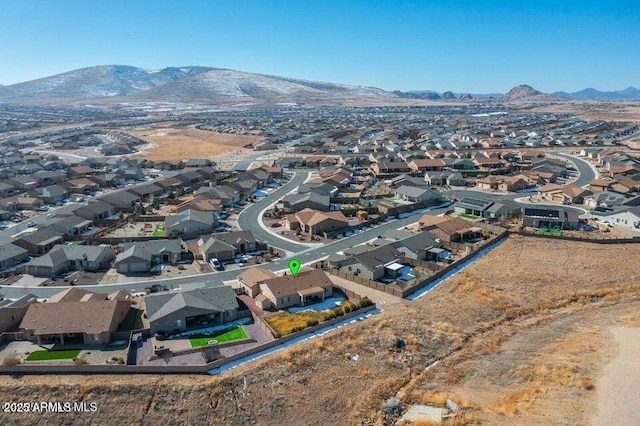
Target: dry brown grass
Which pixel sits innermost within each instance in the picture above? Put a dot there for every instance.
(178, 143)
(518, 336)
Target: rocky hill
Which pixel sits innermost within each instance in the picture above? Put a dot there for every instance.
(525, 93)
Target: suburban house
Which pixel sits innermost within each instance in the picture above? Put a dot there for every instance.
(426, 164)
(227, 195)
(224, 246)
(186, 310)
(444, 179)
(549, 218)
(417, 195)
(201, 203)
(140, 256)
(600, 185)
(71, 225)
(122, 201)
(309, 286)
(11, 255)
(40, 241)
(569, 194)
(487, 209)
(370, 264)
(627, 216)
(190, 222)
(310, 200)
(449, 229)
(421, 246)
(251, 279)
(95, 210)
(76, 316)
(62, 258)
(504, 183)
(12, 311)
(314, 222)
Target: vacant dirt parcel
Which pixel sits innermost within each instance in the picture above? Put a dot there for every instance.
(171, 142)
(522, 337)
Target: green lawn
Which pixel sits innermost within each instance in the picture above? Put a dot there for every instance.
(45, 355)
(159, 233)
(470, 216)
(550, 232)
(235, 334)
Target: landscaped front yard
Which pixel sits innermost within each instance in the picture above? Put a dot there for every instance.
(46, 355)
(234, 334)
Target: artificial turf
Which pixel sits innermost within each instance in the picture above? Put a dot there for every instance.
(45, 355)
(234, 334)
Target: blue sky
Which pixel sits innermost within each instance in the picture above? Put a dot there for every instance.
(464, 46)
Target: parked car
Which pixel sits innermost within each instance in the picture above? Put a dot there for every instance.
(216, 264)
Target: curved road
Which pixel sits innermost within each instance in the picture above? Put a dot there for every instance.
(247, 219)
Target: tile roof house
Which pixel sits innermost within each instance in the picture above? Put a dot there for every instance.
(76, 316)
(314, 222)
(193, 309)
(251, 279)
(285, 291)
(449, 229)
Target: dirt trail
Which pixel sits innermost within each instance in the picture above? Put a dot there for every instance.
(618, 389)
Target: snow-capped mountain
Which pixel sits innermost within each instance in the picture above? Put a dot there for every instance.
(116, 83)
(94, 82)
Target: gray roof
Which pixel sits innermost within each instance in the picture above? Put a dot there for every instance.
(236, 237)
(17, 303)
(376, 258)
(423, 240)
(323, 200)
(157, 246)
(190, 216)
(474, 203)
(215, 299)
(134, 252)
(9, 251)
(411, 191)
(61, 253)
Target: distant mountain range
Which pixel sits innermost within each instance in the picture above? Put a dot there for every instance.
(223, 87)
(628, 94)
(215, 86)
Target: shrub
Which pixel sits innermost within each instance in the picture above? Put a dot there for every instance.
(79, 361)
(11, 361)
(311, 323)
(121, 361)
(364, 302)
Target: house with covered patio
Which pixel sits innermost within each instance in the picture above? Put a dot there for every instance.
(307, 287)
(193, 309)
(76, 316)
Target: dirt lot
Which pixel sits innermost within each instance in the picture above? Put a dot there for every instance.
(177, 143)
(521, 337)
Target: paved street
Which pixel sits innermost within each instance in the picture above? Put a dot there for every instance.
(248, 220)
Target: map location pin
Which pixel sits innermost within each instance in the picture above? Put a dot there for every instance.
(294, 266)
